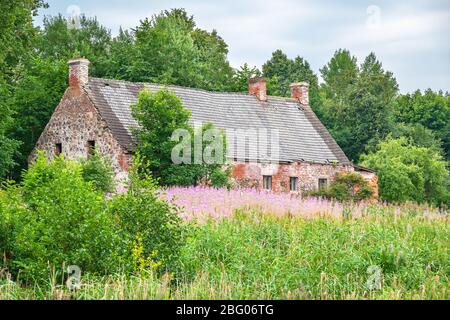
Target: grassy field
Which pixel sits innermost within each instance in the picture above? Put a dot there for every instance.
(384, 252)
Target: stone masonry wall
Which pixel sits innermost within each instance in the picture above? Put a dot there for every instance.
(250, 175)
(75, 122)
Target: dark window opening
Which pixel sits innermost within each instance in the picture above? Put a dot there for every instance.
(293, 183)
(323, 183)
(91, 147)
(58, 149)
(267, 182)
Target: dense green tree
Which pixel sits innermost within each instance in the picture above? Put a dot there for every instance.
(338, 74)
(214, 66)
(121, 56)
(357, 102)
(17, 34)
(168, 48)
(159, 115)
(59, 41)
(281, 71)
(408, 172)
(430, 109)
(279, 66)
(418, 135)
(241, 77)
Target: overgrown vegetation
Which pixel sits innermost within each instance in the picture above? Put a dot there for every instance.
(346, 187)
(98, 170)
(407, 172)
(55, 218)
(259, 256)
(164, 124)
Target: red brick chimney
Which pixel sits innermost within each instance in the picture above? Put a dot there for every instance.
(78, 72)
(300, 91)
(257, 87)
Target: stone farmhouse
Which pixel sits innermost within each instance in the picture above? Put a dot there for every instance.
(96, 113)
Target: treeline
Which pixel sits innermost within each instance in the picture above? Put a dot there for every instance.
(359, 102)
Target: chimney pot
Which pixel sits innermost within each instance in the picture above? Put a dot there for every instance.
(78, 72)
(300, 91)
(257, 87)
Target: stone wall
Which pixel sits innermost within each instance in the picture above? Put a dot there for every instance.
(372, 181)
(250, 175)
(75, 122)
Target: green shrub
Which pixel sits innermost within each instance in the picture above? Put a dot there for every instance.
(99, 171)
(346, 187)
(142, 215)
(10, 210)
(54, 218)
(409, 173)
(61, 220)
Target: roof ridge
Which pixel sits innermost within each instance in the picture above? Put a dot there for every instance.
(190, 88)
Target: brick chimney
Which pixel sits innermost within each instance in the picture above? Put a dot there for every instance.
(300, 91)
(78, 72)
(257, 87)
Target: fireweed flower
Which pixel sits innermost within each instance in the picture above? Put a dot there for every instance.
(202, 203)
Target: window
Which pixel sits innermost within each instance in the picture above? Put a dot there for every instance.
(58, 149)
(323, 183)
(91, 147)
(293, 183)
(267, 182)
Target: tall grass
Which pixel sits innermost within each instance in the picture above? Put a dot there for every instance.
(258, 255)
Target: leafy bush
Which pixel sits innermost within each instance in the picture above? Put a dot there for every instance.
(61, 220)
(10, 211)
(56, 218)
(346, 187)
(99, 171)
(409, 173)
(142, 216)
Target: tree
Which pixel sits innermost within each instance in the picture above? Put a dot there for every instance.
(418, 136)
(281, 72)
(407, 172)
(169, 49)
(241, 77)
(59, 42)
(339, 74)
(159, 115)
(42, 78)
(35, 96)
(16, 33)
(16, 36)
(121, 56)
(357, 104)
(430, 109)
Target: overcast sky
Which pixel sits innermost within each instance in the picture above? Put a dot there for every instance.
(410, 37)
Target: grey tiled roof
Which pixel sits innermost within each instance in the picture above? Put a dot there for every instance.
(302, 137)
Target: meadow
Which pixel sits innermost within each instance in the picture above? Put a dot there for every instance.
(246, 244)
